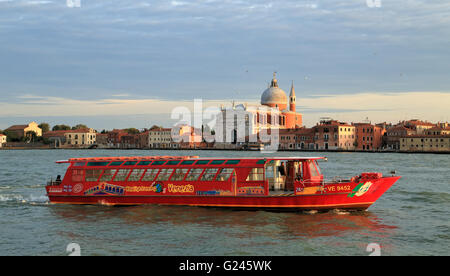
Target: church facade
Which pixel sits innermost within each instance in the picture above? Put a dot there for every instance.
(243, 123)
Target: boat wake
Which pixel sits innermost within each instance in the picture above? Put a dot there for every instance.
(20, 199)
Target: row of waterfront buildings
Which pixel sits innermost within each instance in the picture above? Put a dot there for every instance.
(406, 136)
(243, 126)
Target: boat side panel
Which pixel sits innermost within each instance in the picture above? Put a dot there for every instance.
(360, 198)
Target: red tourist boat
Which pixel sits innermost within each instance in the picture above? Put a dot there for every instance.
(287, 183)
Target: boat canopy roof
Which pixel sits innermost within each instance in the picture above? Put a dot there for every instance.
(146, 158)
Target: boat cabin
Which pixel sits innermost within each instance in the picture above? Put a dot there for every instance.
(204, 176)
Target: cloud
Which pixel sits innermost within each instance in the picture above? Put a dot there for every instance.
(378, 107)
(204, 48)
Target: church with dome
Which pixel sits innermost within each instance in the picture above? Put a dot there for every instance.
(275, 97)
(275, 111)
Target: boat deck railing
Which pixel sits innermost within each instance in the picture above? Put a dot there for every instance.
(54, 182)
(334, 180)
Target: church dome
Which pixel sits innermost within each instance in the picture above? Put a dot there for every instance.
(274, 96)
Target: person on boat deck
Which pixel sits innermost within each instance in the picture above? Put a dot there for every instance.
(58, 178)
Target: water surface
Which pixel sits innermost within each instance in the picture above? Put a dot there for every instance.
(412, 218)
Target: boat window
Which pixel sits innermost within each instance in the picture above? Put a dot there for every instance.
(209, 174)
(158, 162)
(317, 167)
(179, 174)
(194, 174)
(232, 162)
(77, 175)
(79, 164)
(173, 162)
(202, 162)
(164, 174)
(122, 175)
(256, 174)
(217, 162)
(312, 169)
(93, 175)
(261, 162)
(187, 162)
(97, 164)
(136, 175)
(108, 175)
(224, 174)
(116, 163)
(144, 163)
(130, 163)
(150, 174)
(300, 171)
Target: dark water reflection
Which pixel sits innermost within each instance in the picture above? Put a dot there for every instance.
(197, 227)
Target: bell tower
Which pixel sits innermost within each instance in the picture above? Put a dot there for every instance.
(292, 99)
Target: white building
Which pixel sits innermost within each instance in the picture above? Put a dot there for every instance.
(160, 138)
(238, 123)
(81, 137)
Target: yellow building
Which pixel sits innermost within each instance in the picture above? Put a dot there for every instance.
(438, 131)
(425, 143)
(2, 140)
(22, 130)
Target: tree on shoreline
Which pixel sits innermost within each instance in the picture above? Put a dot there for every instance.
(80, 126)
(132, 130)
(45, 127)
(61, 127)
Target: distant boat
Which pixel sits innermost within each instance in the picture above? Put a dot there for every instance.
(281, 183)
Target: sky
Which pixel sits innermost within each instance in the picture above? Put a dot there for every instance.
(119, 64)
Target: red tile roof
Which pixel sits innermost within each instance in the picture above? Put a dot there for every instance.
(17, 127)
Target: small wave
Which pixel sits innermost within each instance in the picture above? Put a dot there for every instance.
(310, 212)
(30, 199)
(339, 212)
(427, 196)
(9, 198)
(35, 186)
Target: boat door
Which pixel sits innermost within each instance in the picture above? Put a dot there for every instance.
(294, 175)
(276, 174)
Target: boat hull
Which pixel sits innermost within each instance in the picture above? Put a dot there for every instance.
(326, 199)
